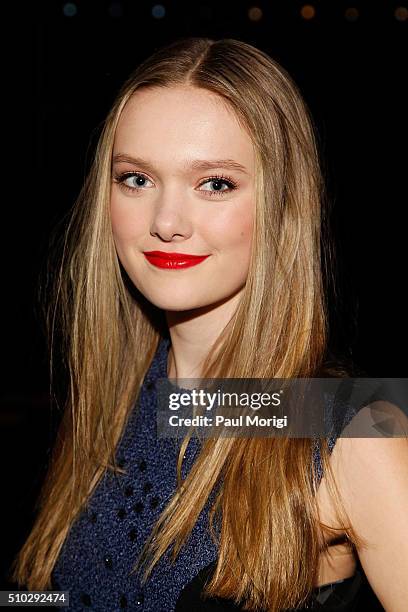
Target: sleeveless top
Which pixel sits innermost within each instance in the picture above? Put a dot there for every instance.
(99, 553)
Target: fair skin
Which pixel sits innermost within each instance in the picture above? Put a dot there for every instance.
(173, 211)
(372, 476)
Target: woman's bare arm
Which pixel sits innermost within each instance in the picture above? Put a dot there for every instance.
(372, 475)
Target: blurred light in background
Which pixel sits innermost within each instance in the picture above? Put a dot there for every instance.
(255, 13)
(158, 11)
(351, 14)
(401, 13)
(307, 11)
(69, 9)
(116, 9)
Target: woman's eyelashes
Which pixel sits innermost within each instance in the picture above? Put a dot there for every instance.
(133, 182)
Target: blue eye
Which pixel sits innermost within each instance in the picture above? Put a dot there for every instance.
(219, 179)
(134, 179)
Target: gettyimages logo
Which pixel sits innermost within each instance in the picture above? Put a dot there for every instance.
(299, 408)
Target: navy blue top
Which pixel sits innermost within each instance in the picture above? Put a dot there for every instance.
(101, 548)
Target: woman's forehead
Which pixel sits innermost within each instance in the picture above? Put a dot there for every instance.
(184, 122)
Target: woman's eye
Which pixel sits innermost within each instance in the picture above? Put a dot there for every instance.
(135, 181)
(218, 181)
(132, 180)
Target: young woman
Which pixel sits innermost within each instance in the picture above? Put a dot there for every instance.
(194, 251)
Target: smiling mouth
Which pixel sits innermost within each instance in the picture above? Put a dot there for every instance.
(173, 261)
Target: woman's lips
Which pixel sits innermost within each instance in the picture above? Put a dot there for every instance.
(161, 259)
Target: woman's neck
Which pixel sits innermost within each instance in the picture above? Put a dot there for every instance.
(193, 334)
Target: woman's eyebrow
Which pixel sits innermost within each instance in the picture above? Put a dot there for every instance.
(195, 164)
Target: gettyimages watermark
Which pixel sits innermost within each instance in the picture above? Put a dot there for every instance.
(296, 408)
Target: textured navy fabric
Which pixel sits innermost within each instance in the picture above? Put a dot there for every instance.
(99, 553)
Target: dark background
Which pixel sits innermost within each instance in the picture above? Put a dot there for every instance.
(65, 63)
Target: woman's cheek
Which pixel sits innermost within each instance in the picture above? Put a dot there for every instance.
(128, 223)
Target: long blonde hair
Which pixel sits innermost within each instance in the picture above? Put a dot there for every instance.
(108, 333)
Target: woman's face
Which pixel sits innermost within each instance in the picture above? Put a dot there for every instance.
(164, 197)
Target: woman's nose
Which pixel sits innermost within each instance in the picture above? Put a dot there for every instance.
(170, 217)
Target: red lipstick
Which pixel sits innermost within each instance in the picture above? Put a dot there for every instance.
(172, 261)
